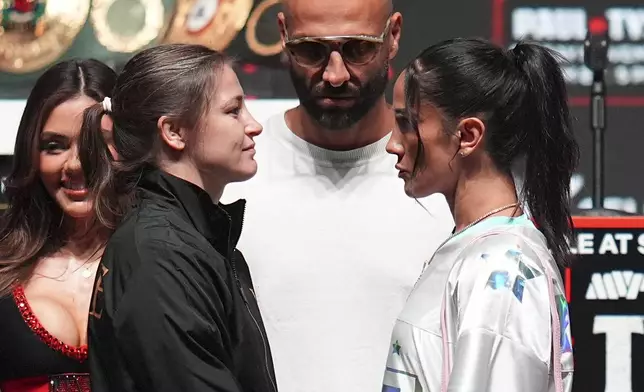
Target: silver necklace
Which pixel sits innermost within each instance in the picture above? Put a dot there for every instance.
(87, 272)
(494, 211)
(478, 220)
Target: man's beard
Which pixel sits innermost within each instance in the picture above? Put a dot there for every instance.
(340, 118)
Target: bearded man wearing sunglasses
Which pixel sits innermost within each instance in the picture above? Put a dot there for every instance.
(327, 229)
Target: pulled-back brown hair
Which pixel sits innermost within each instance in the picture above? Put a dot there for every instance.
(30, 227)
(169, 80)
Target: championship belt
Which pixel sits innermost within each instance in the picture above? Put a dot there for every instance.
(112, 19)
(212, 23)
(35, 33)
(252, 37)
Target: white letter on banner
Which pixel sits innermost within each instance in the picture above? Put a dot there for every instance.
(618, 330)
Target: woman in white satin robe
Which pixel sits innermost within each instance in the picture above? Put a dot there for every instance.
(488, 312)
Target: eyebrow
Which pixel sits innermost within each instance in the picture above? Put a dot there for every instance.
(51, 134)
(233, 101)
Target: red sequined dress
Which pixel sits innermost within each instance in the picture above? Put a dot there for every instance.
(31, 359)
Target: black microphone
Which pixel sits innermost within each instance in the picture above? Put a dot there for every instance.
(596, 45)
(596, 59)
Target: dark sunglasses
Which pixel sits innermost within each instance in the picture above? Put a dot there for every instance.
(312, 52)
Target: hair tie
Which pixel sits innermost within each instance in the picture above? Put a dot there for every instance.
(107, 104)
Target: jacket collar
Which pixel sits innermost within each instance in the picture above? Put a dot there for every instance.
(220, 224)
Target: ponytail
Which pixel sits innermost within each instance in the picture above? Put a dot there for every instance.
(551, 152)
(521, 97)
(99, 167)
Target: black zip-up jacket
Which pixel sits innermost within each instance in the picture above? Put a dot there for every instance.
(173, 308)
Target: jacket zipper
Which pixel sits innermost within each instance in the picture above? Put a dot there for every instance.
(241, 291)
(266, 359)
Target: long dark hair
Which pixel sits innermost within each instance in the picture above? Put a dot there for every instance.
(174, 80)
(30, 225)
(521, 96)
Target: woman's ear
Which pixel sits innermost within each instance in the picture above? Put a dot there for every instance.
(472, 131)
(171, 134)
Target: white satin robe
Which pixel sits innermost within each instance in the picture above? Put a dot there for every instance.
(483, 317)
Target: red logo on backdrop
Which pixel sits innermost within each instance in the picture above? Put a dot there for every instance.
(598, 25)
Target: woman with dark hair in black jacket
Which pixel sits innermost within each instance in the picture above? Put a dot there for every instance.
(173, 308)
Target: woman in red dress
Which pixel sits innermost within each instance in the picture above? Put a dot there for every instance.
(50, 243)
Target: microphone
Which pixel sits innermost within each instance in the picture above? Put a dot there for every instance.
(596, 59)
(596, 45)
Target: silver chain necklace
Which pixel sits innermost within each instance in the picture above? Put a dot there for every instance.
(494, 211)
(478, 220)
